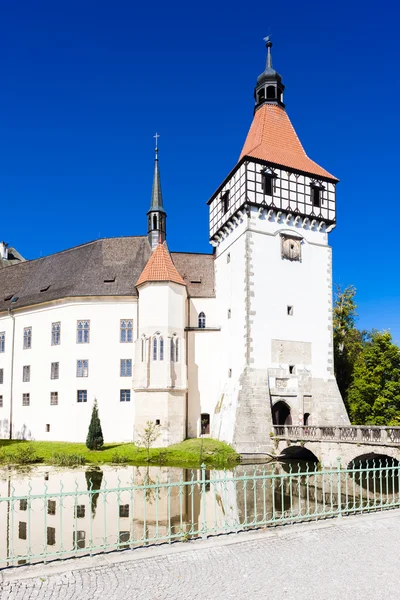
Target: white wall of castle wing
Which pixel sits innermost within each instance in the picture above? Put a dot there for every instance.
(206, 305)
(69, 420)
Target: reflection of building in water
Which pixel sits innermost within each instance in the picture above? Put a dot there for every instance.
(166, 504)
(113, 514)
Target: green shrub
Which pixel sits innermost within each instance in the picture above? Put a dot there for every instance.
(62, 459)
(94, 440)
(119, 459)
(23, 455)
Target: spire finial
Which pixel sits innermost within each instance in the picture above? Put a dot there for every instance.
(268, 44)
(156, 137)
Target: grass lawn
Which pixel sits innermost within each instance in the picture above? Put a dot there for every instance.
(190, 453)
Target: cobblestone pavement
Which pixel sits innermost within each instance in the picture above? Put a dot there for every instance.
(355, 557)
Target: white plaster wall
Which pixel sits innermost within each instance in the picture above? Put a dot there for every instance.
(279, 283)
(70, 420)
(204, 376)
(206, 305)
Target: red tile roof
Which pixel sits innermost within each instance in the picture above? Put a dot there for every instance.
(272, 138)
(160, 267)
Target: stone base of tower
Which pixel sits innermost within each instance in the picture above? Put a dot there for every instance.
(166, 407)
(328, 406)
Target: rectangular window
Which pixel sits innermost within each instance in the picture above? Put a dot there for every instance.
(1, 401)
(225, 201)
(23, 504)
(290, 311)
(81, 396)
(27, 338)
(316, 195)
(82, 332)
(26, 400)
(124, 510)
(126, 330)
(48, 428)
(82, 368)
(2, 341)
(22, 530)
(79, 539)
(51, 536)
(26, 373)
(80, 511)
(126, 367)
(56, 333)
(267, 183)
(55, 370)
(53, 398)
(125, 395)
(1, 375)
(51, 507)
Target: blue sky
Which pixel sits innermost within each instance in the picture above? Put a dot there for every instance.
(85, 85)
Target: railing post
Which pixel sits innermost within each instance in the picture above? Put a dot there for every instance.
(359, 436)
(339, 490)
(203, 502)
(338, 431)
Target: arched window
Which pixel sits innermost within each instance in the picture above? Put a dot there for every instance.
(172, 350)
(270, 92)
(306, 419)
(154, 221)
(177, 350)
(154, 348)
(161, 348)
(143, 348)
(202, 320)
(205, 423)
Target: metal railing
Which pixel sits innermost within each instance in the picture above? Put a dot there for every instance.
(350, 433)
(58, 523)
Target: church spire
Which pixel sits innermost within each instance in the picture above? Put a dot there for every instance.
(156, 215)
(269, 87)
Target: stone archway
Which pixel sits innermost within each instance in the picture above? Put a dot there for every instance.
(281, 413)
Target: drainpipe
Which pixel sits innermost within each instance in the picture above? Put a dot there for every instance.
(12, 372)
(187, 372)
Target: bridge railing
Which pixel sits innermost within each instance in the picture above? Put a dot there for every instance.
(350, 433)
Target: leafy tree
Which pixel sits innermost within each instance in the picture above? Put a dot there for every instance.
(347, 340)
(94, 440)
(374, 394)
(150, 434)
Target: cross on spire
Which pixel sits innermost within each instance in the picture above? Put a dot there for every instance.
(156, 138)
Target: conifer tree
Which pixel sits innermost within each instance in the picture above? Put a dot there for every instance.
(94, 440)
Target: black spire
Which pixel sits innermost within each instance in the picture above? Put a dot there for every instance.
(269, 87)
(156, 215)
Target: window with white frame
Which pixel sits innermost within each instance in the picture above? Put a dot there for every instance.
(26, 373)
(26, 399)
(125, 395)
(202, 320)
(126, 330)
(56, 333)
(1, 401)
(126, 367)
(158, 347)
(53, 398)
(177, 350)
(155, 348)
(2, 341)
(161, 342)
(55, 370)
(83, 332)
(27, 338)
(1, 375)
(172, 350)
(82, 368)
(81, 396)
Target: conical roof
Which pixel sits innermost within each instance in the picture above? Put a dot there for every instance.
(272, 138)
(156, 193)
(160, 267)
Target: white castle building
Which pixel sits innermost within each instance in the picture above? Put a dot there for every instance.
(224, 344)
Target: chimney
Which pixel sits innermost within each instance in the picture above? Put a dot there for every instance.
(3, 251)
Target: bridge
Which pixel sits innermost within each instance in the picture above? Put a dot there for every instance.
(327, 443)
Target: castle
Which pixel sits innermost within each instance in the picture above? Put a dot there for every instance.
(222, 344)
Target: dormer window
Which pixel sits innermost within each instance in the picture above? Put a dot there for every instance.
(316, 194)
(267, 182)
(225, 201)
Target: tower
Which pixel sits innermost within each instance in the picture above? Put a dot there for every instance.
(269, 223)
(156, 215)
